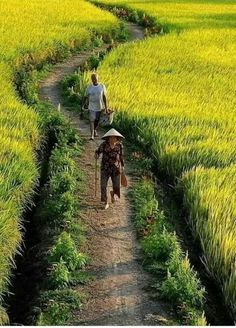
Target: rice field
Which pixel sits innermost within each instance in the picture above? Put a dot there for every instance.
(31, 31)
(177, 94)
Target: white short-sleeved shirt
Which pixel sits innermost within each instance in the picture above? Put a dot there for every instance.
(95, 96)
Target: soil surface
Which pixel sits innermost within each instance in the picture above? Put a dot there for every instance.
(118, 294)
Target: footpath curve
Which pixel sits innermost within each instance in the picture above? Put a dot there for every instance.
(118, 294)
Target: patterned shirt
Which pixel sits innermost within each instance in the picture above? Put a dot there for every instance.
(112, 158)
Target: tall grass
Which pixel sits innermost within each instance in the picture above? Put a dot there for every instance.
(175, 95)
(210, 196)
(32, 34)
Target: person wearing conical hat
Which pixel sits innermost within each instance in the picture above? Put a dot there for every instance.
(112, 164)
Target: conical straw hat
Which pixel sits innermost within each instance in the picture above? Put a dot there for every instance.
(112, 133)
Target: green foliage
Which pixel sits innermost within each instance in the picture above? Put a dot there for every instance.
(62, 182)
(97, 40)
(65, 250)
(144, 202)
(183, 286)
(57, 307)
(190, 316)
(80, 277)
(159, 247)
(60, 209)
(73, 88)
(61, 161)
(59, 276)
(63, 203)
(59, 212)
(176, 281)
(123, 34)
(95, 59)
(126, 12)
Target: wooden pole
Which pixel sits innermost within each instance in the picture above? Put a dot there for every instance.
(96, 176)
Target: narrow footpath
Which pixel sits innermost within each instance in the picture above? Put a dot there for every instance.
(118, 295)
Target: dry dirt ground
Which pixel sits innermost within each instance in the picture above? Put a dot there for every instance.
(118, 294)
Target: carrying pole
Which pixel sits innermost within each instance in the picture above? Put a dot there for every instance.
(96, 176)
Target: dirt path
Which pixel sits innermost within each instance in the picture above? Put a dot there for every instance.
(118, 295)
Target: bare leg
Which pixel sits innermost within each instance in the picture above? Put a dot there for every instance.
(104, 181)
(95, 128)
(92, 129)
(96, 123)
(116, 186)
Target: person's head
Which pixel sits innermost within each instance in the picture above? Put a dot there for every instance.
(112, 140)
(94, 78)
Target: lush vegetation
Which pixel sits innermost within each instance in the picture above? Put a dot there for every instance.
(33, 33)
(61, 232)
(176, 96)
(176, 281)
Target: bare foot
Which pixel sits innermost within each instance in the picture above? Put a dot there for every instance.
(116, 198)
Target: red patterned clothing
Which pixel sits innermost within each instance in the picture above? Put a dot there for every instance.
(112, 158)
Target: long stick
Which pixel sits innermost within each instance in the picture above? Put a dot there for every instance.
(96, 177)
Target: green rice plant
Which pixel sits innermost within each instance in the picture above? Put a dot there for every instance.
(4, 319)
(211, 208)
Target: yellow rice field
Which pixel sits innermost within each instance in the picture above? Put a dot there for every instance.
(31, 30)
(177, 92)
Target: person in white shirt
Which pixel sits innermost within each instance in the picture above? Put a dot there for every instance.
(96, 101)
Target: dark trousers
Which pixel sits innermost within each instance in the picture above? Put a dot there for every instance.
(115, 178)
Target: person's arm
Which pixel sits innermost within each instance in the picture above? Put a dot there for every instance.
(122, 157)
(85, 102)
(99, 150)
(104, 97)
